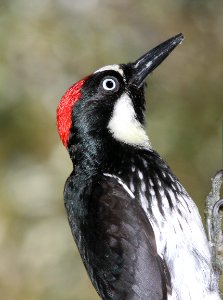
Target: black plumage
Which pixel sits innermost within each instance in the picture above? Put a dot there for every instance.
(119, 252)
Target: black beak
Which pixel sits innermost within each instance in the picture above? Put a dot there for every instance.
(143, 66)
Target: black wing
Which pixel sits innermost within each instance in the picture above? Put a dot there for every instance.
(117, 244)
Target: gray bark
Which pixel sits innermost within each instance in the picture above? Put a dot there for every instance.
(214, 214)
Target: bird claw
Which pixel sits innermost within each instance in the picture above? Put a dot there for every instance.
(214, 215)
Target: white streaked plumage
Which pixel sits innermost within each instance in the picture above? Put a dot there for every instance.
(121, 183)
(132, 187)
(143, 187)
(151, 182)
(176, 249)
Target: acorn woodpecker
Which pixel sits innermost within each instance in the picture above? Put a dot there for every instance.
(138, 232)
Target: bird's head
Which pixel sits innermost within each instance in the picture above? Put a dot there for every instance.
(110, 102)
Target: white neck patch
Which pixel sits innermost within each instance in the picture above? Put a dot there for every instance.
(124, 126)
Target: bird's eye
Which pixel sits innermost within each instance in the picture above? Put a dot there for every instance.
(110, 84)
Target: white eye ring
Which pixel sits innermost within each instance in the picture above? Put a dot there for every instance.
(109, 84)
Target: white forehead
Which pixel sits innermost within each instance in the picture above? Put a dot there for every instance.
(111, 67)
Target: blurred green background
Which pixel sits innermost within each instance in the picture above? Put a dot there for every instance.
(45, 47)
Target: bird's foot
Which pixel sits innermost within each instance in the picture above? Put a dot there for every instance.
(214, 215)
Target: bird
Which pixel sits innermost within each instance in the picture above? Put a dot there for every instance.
(138, 232)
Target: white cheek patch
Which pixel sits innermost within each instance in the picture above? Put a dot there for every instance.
(111, 67)
(124, 126)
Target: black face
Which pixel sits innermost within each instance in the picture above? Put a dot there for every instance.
(93, 111)
(99, 95)
(106, 87)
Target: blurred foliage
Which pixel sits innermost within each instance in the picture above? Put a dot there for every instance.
(45, 47)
